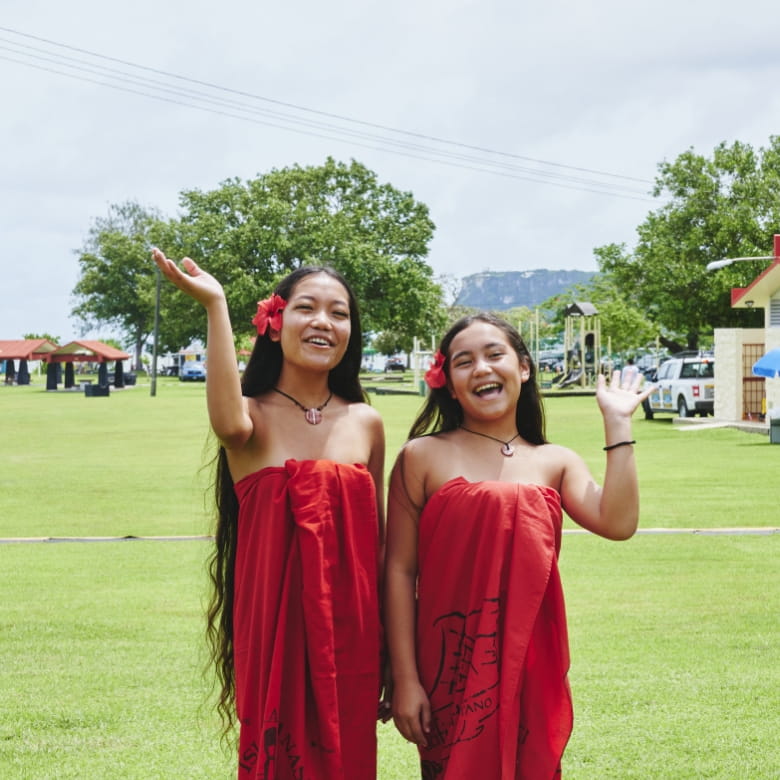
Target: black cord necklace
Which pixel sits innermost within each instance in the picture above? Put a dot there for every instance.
(313, 414)
(507, 450)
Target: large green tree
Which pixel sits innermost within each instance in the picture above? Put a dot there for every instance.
(117, 282)
(389, 342)
(726, 205)
(251, 233)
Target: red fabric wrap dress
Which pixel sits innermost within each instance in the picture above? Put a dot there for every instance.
(306, 622)
(492, 644)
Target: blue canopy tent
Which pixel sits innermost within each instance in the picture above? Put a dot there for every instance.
(768, 365)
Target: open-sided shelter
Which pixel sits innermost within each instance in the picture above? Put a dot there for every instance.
(85, 351)
(23, 350)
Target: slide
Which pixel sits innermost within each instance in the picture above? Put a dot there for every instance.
(573, 377)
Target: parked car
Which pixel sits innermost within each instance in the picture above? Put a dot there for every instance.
(651, 374)
(395, 364)
(550, 360)
(685, 386)
(192, 371)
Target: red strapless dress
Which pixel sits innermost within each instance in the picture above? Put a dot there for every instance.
(306, 622)
(492, 645)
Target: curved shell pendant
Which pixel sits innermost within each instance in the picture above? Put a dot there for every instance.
(313, 416)
(507, 450)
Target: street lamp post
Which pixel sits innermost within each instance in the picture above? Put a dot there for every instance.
(716, 264)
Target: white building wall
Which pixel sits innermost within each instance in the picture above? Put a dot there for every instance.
(728, 369)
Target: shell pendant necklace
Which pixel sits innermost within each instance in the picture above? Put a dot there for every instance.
(507, 450)
(312, 415)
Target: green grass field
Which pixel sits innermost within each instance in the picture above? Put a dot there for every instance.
(674, 637)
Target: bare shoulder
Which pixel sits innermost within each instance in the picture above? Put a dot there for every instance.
(365, 411)
(556, 453)
(421, 458)
(412, 471)
(552, 462)
(422, 448)
(365, 415)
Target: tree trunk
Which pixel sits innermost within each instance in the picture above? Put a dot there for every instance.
(139, 348)
(671, 345)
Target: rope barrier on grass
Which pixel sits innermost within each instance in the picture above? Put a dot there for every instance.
(748, 531)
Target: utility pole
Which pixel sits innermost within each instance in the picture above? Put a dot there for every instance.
(153, 391)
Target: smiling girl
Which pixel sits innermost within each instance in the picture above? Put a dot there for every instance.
(474, 608)
(294, 616)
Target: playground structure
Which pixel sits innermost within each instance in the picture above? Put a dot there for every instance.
(581, 345)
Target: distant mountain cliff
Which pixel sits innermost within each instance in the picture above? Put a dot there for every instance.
(500, 290)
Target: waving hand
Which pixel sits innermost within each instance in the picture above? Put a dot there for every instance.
(196, 283)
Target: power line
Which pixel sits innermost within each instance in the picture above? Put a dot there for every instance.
(457, 154)
(505, 174)
(320, 113)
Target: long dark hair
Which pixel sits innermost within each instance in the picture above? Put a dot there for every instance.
(442, 412)
(260, 375)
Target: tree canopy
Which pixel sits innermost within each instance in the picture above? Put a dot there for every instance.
(249, 234)
(117, 280)
(727, 205)
(47, 336)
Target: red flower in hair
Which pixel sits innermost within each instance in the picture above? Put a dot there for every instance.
(269, 314)
(435, 376)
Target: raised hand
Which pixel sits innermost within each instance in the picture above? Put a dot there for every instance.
(615, 399)
(196, 282)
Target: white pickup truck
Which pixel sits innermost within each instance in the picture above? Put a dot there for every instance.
(685, 385)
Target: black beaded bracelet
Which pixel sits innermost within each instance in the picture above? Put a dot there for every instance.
(619, 444)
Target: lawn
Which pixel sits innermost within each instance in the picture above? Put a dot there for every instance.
(674, 637)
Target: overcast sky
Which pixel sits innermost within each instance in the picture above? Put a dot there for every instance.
(565, 91)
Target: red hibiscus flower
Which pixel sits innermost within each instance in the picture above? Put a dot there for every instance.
(269, 314)
(435, 376)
